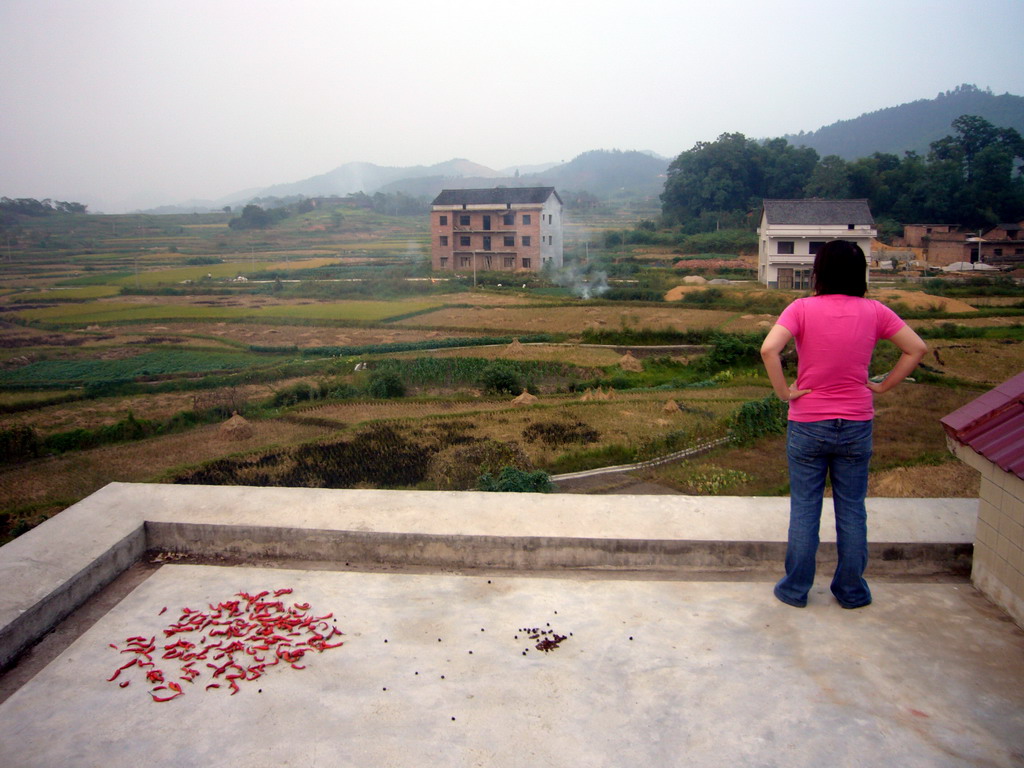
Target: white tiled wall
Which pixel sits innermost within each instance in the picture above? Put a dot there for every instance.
(998, 569)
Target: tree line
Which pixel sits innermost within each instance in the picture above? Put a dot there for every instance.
(971, 177)
(29, 206)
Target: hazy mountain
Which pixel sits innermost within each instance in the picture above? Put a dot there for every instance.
(603, 173)
(369, 178)
(607, 173)
(913, 126)
(624, 174)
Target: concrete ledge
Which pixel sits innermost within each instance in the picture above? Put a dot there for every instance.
(53, 568)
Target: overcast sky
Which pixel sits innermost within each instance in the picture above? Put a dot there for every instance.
(128, 103)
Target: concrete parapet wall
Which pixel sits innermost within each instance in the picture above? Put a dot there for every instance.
(52, 569)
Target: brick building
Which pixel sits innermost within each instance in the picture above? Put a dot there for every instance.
(504, 229)
(945, 244)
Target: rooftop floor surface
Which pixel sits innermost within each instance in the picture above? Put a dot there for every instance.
(658, 667)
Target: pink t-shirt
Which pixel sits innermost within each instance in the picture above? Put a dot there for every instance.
(835, 335)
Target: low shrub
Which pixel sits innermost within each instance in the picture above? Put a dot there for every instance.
(512, 480)
(19, 443)
(385, 385)
(592, 458)
(758, 418)
(459, 466)
(500, 377)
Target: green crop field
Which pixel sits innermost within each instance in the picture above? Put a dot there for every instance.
(147, 364)
(126, 312)
(226, 270)
(83, 293)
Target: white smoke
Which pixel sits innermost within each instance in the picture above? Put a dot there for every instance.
(583, 280)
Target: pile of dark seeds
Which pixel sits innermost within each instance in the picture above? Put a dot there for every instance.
(547, 639)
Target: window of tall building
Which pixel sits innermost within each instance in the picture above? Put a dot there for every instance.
(444, 221)
(526, 240)
(444, 239)
(527, 219)
(508, 219)
(785, 247)
(510, 241)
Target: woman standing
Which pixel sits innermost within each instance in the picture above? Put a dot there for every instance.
(830, 414)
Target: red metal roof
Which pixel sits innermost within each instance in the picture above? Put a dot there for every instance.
(993, 425)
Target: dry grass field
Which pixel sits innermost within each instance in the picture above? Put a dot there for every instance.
(910, 456)
(569, 319)
(983, 361)
(96, 323)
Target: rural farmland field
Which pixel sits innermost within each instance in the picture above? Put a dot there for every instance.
(324, 353)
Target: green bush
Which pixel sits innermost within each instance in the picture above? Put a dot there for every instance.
(733, 349)
(297, 393)
(951, 331)
(512, 480)
(758, 418)
(385, 384)
(500, 378)
(19, 443)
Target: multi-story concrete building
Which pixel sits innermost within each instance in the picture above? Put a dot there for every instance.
(504, 229)
(792, 231)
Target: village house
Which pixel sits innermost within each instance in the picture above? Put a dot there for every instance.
(504, 229)
(792, 231)
(1003, 244)
(944, 244)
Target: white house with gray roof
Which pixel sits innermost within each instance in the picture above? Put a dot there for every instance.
(792, 231)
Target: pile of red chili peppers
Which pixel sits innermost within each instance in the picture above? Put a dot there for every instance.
(236, 639)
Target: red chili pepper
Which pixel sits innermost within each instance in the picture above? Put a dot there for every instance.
(165, 698)
(124, 684)
(162, 611)
(118, 670)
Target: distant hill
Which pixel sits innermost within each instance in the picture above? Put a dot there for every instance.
(607, 174)
(370, 178)
(603, 173)
(913, 126)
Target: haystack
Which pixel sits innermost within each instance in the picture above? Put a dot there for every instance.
(235, 428)
(629, 363)
(525, 399)
(515, 349)
(597, 394)
(671, 406)
(694, 280)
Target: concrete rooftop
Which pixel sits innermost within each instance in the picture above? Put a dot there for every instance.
(676, 651)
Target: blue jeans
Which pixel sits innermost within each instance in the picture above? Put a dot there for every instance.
(840, 449)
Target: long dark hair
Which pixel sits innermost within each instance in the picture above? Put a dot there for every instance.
(840, 267)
